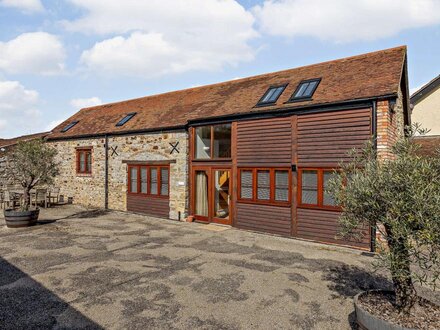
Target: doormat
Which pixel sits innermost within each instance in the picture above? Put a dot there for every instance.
(213, 227)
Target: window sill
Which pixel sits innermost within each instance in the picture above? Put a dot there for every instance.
(84, 175)
(321, 208)
(268, 203)
(148, 196)
(200, 160)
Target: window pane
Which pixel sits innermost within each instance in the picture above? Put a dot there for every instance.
(222, 141)
(269, 95)
(82, 161)
(221, 194)
(153, 181)
(144, 180)
(263, 185)
(133, 179)
(164, 184)
(282, 186)
(309, 91)
(89, 162)
(301, 90)
(328, 199)
(203, 142)
(309, 187)
(246, 184)
(201, 187)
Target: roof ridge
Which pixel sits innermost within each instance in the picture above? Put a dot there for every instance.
(425, 85)
(403, 47)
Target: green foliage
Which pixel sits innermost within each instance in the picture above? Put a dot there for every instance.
(33, 163)
(399, 198)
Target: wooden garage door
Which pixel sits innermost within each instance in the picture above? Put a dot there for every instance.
(148, 190)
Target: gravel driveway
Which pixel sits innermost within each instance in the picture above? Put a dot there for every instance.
(96, 269)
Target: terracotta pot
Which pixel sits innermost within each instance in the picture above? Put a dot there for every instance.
(190, 218)
(17, 219)
(367, 321)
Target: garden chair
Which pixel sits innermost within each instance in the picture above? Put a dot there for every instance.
(41, 197)
(54, 195)
(9, 199)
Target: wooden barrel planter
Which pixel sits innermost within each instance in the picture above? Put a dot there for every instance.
(367, 321)
(17, 219)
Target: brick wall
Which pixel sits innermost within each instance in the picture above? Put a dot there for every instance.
(390, 126)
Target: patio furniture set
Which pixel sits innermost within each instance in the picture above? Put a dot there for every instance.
(12, 196)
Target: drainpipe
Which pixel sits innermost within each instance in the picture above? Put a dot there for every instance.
(106, 174)
(374, 129)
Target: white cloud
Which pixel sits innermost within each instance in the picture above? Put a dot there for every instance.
(18, 109)
(36, 53)
(85, 102)
(146, 38)
(345, 20)
(27, 6)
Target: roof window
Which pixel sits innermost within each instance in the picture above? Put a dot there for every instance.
(271, 95)
(73, 123)
(126, 118)
(305, 89)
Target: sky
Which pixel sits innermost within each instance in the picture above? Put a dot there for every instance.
(59, 56)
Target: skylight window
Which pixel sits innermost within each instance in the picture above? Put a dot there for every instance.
(73, 123)
(126, 118)
(271, 95)
(305, 89)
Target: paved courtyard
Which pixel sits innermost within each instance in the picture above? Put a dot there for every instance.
(94, 269)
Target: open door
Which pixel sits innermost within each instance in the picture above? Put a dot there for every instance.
(212, 189)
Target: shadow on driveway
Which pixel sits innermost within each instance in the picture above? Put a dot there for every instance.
(26, 304)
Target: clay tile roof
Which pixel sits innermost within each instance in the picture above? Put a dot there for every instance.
(358, 77)
(429, 145)
(13, 141)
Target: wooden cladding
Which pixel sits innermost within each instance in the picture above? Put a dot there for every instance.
(323, 226)
(324, 139)
(264, 142)
(265, 218)
(156, 207)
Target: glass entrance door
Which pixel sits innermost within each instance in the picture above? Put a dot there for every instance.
(201, 194)
(222, 196)
(212, 195)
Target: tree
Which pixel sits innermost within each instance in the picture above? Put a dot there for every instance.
(32, 163)
(400, 199)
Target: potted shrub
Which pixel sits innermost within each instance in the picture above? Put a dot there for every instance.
(32, 163)
(400, 199)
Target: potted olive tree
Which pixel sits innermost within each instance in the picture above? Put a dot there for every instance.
(32, 163)
(400, 199)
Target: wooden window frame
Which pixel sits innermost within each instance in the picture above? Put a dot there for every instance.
(320, 184)
(271, 201)
(85, 151)
(159, 180)
(211, 145)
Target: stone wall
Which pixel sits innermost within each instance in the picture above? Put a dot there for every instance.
(390, 125)
(89, 190)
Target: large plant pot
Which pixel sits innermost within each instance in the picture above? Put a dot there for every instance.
(17, 219)
(367, 321)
